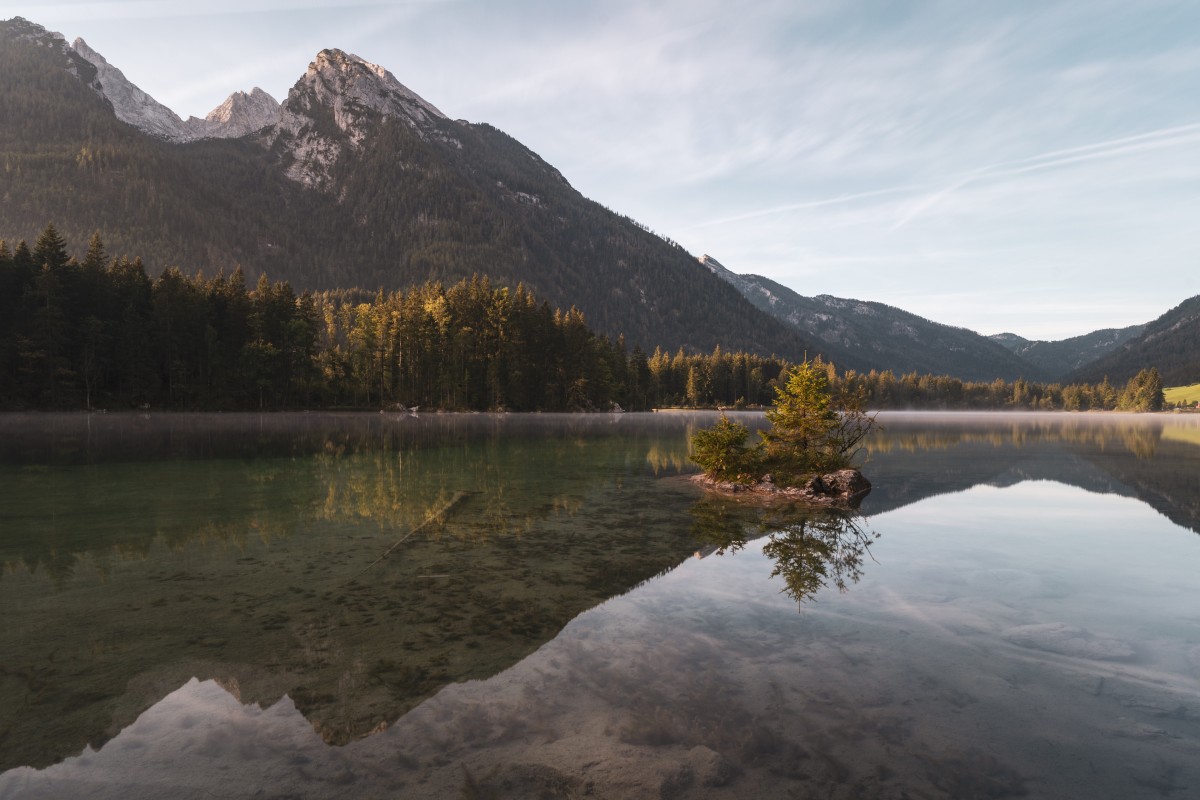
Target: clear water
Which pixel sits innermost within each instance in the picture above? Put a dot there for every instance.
(537, 606)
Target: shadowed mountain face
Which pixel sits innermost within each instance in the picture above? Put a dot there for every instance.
(920, 455)
(1061, 358)
(1170, 343)
(359, 183)
(863, 335)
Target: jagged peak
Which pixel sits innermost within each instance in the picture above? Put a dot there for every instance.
(21, 28)
(716, 267)
(355, 92)
(348, 75)
(85, 50)
(129, 102)
(256, 105)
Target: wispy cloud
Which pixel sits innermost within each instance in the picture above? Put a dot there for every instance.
(802, 206)
(1098, 151)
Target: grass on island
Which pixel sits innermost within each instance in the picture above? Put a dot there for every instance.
(1187, 394)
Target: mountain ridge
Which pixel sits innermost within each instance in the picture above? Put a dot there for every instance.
(881, 335)
(361, 184)
(1170, 343)
(351, 89)
(355, 180)
(241, 113)
(1065, 356)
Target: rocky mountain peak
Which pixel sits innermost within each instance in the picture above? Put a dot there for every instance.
(130, 103)
(714, 266)
(22, 30)
(355, 93)
(347, 84)
(240, 114)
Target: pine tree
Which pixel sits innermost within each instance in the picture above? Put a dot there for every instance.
(812, 429)
(50, 250)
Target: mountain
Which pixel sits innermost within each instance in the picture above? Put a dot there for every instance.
(1061, 358)
(359, 183)
(240, 114)
(880, 336)
(353, 94)
(1170, 343)
(129, 103)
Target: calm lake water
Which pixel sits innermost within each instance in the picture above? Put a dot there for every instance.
(398, 606)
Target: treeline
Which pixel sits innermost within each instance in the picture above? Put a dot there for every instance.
(720, 379)
(884, 390)
(100, 333)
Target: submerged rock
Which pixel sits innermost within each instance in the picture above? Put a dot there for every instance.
(844, 488)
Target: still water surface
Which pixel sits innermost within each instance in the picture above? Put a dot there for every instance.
(539, 606)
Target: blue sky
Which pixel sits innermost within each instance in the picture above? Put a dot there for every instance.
(1023, 166)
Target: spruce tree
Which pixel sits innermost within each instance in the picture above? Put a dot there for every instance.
(50, 250)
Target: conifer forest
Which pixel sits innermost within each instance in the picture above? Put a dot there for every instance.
(99, 333)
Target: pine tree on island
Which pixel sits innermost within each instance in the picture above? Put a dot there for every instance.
(807, 453)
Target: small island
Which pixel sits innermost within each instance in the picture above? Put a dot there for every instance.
(806, 455)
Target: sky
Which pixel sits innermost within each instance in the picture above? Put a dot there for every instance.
(1031, 167)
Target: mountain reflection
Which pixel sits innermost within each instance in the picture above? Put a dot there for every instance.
(277, 554)
(353, 566)
(918, 455)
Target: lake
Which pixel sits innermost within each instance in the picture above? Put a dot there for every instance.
(511, 606)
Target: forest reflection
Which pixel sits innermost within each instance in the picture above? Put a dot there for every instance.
(1123, 432)
(227, 480)
(228, 486)
(270, 552)
(355, 564)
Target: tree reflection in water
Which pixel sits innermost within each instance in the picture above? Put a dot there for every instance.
(811, 547)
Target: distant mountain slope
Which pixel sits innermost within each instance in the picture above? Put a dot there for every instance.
(880, 336)
(1062, 358)
(1170, 343)
(359, 183)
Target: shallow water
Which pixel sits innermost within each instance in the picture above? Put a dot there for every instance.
(516, 606)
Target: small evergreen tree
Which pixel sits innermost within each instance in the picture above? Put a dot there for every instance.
(722, 453)
(813, 428)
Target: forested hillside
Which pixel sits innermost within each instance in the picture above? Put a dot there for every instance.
(1064, 357)
(402, 207)
(854, 332)
(98, 332)
(1170, 343)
